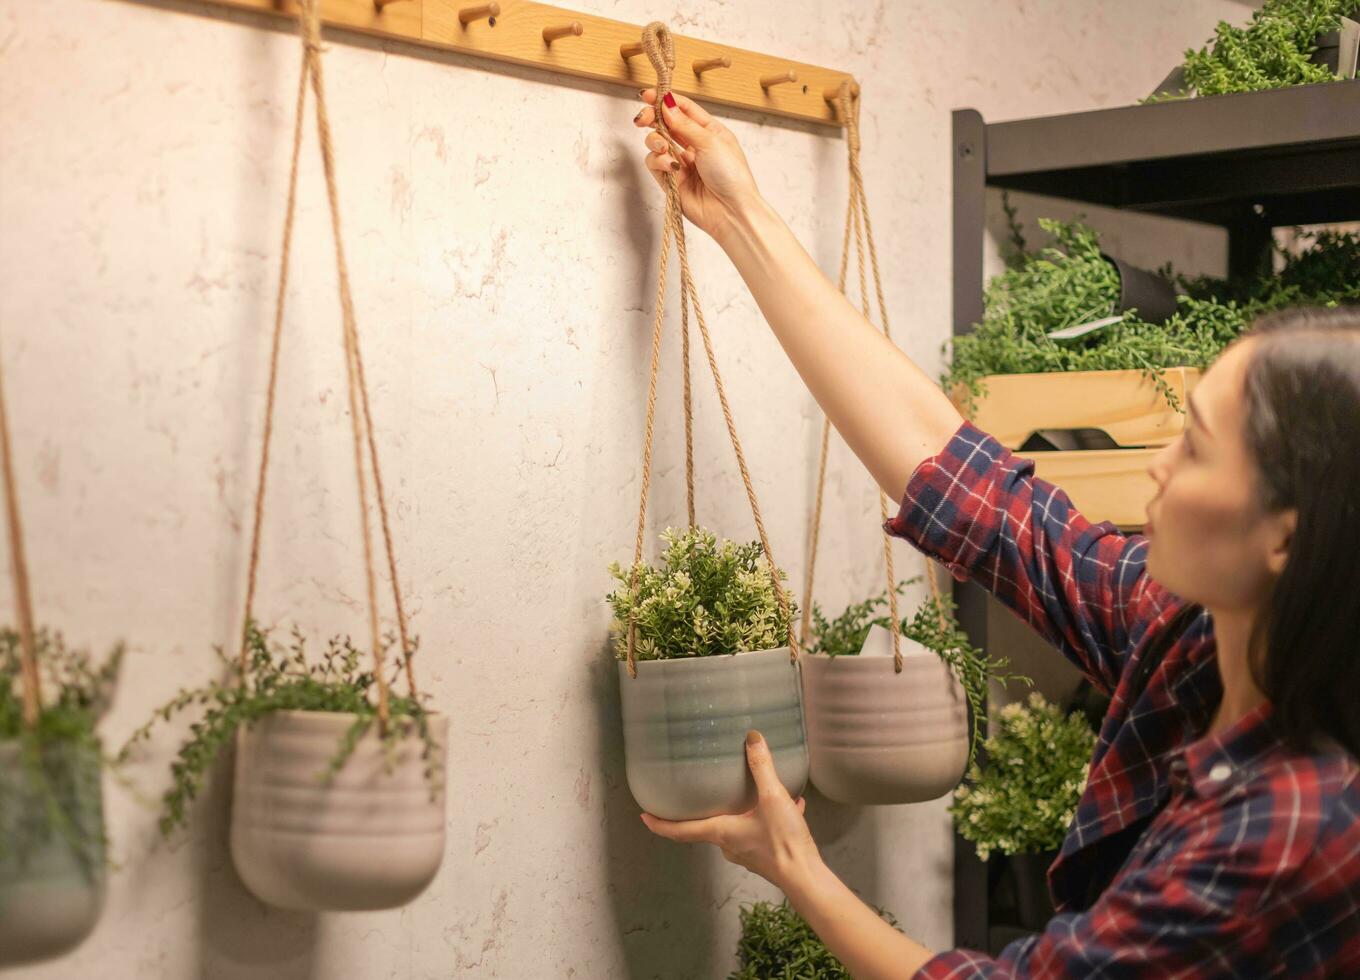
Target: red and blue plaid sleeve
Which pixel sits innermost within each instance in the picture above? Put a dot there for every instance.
(1267, 886)
(981, 511)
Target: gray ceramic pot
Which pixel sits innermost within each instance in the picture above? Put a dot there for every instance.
(368, 838)
(684, 730)
(876, 736)
(51, 878)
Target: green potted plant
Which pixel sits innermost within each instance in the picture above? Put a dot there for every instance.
(880, 736)
(1091, 407)
(52, 844)
(1071, 282)
(331, 809)
(713, 661)
(1022, 801)
(777, 942)
(1278, 47)
(338, 800)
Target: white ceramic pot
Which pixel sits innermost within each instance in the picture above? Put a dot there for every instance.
(52, 887)
(684, 730)
(368, 838)
(876, 736)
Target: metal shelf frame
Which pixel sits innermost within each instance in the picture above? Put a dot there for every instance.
(1248, 163)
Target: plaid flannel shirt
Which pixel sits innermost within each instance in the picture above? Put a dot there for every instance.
(1191, 856)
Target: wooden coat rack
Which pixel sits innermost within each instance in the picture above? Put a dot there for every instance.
(564, 41)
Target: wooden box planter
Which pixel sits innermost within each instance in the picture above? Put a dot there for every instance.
(684, 730)
(51, 895)
(371, 837)
(879, 737)
(1104, 484)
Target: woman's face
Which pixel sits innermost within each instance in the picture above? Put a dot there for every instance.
(1210, 542)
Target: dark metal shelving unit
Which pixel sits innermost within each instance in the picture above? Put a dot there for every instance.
(1248, 163)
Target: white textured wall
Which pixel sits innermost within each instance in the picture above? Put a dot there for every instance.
(502, 233)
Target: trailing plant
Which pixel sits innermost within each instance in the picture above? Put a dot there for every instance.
(56, 755)
(1024, 798)
(1069, 282)
(1326, 272)
(935, 627)
(1273, 50)
(705, 598)
(282, 678)
(777, 944)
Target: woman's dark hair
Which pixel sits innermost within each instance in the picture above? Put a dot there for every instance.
(1303, 433)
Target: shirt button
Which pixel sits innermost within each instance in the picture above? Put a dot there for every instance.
(1220, 772)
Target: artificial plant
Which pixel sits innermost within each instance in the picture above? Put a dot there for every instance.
(54, 752)
(705, 598)
(1025, 796)
(1274, 49)
(1070, 282)
(934, 626)
(777, 944)
(282, 678)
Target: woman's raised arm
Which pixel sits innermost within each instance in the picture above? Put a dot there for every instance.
(889, 411)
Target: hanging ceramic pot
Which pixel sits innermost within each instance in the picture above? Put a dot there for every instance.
(684, 730)
(876, 736)
(370, 837)
(51, 875)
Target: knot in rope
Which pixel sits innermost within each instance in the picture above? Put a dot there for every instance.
(660, 48)
(848, 104)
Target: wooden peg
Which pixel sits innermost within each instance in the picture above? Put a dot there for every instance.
(770, 81)
(627, 51)
(551, 34)
(480, 12)
(832, 94)
(708, 64)
(378, 5)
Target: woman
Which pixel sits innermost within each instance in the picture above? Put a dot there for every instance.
(1219, 834)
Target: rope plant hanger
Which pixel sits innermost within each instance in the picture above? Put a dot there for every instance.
(660, 49)
(361, 417)
(23, 594)
(857, 220)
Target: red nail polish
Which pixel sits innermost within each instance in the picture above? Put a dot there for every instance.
(669, 100)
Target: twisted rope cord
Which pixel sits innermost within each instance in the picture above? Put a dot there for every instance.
(857, 218)
(689, 408)
(361, 420)
(23, 592)
(851, 108)
(815, 531)
(660, 49)
(252, 573)
(649, 428)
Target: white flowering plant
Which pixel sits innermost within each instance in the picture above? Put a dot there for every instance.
(1024, 798)
(705, 598)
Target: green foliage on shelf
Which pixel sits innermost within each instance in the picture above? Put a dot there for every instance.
(705, 598)
(1023, 800)
(1273, 50)
(282, 679)
(1069, 282)
(59, 757)
(778, 944)
(935, 627)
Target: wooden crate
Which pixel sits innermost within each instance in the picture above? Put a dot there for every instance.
(1126, 405)
(1104, 484)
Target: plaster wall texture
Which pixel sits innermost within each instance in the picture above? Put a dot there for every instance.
(502, 237)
